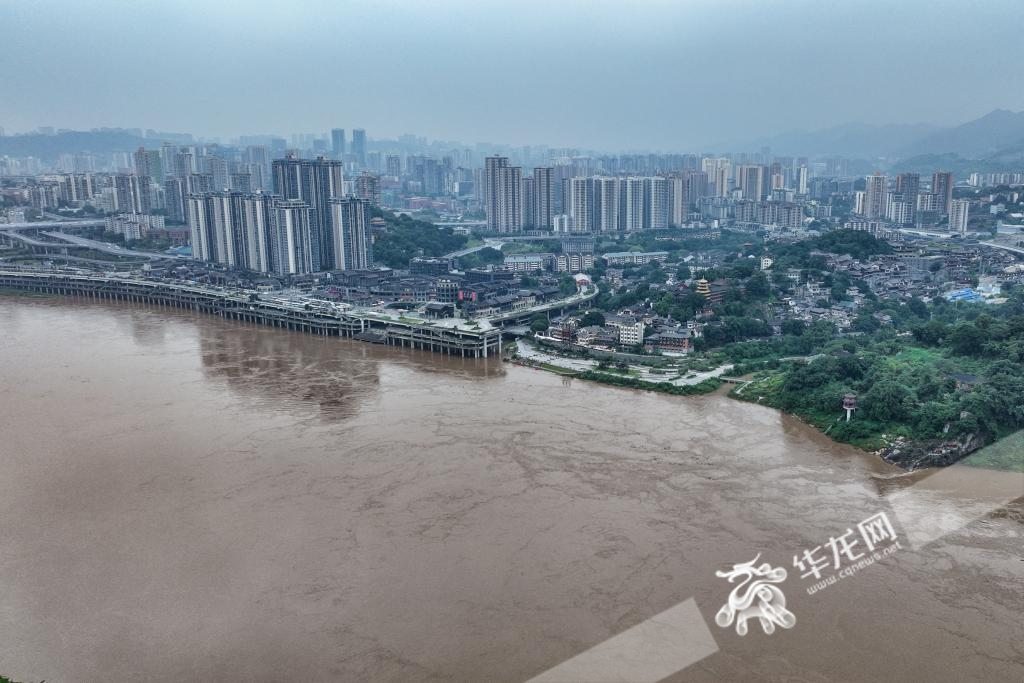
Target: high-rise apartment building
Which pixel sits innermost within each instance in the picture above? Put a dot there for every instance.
(258, 218)
(529, 202)
(315, 182)
(752, 180)
(958, 211)
(351, 234)
(77, 187)
(908, 185)
(942, 188)
(543, 197)
(226, 218)
(292, 237)
(503, 195)
(198, 216)
(258, 232)
(656, 201)
(606, 204)
(367, 186)
(875, 188)
(678, 200)
(719, 172)
(632, 208)
(899, 210)
(241, 182)
(217, 167)
(338, 143)
(199, 183)
(393, 165)
(131, 193)
(359, 146)
(149, 164)
(184, 164)
(580, 203)
(175, 194)
(257, 163)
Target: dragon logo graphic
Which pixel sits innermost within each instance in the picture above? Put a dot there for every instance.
(755, 596)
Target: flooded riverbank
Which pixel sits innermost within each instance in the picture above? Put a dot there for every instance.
(186, 498)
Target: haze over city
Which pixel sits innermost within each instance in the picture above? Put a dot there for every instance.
(529, 342)
(653, 75)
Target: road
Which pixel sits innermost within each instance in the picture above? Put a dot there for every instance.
(585, 293)
(489, 242)
(642, 372)
(997, 245)
(64, 240)
(41, 225)
(108, 248)
(499, 242)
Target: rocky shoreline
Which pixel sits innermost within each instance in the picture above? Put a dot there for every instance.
(915, 455)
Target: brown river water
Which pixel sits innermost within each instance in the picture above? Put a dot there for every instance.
(189, 499)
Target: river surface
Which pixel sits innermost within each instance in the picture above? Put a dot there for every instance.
(189, 499)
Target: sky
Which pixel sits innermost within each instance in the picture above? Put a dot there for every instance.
(624, 75)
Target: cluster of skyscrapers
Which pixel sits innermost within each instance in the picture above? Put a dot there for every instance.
(558, 198)
(258, 205)
(308, 224)
(904, 201)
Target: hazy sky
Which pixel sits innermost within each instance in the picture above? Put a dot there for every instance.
(635, 74)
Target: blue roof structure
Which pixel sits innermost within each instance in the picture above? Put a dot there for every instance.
(966, 294)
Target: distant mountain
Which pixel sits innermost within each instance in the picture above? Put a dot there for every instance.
(49, 147)
(925, 164)
(1009, 160)
(997, 136)
(983, 137)
(855, 140)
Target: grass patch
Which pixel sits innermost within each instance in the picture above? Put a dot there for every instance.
(557, 369)
(705, 387)
(1005, 454)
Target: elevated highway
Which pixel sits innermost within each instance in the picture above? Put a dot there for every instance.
(53, 225)
(61, 243)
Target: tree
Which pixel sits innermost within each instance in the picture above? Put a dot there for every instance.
(931, 417)
(539, 323)
(757, 286)
(482, 257)
(887, 401)
(406, 238)
(865, 322)
(967, 339)
(743, 268)
(918, 307)
(931, 333)
(793, 327)
(592, 318)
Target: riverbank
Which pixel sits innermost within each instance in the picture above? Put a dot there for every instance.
(667, 380)
(899, 445)
(896, 446)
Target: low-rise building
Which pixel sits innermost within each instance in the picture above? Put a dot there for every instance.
(527, 263)
(636, 258)
(630, 331)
